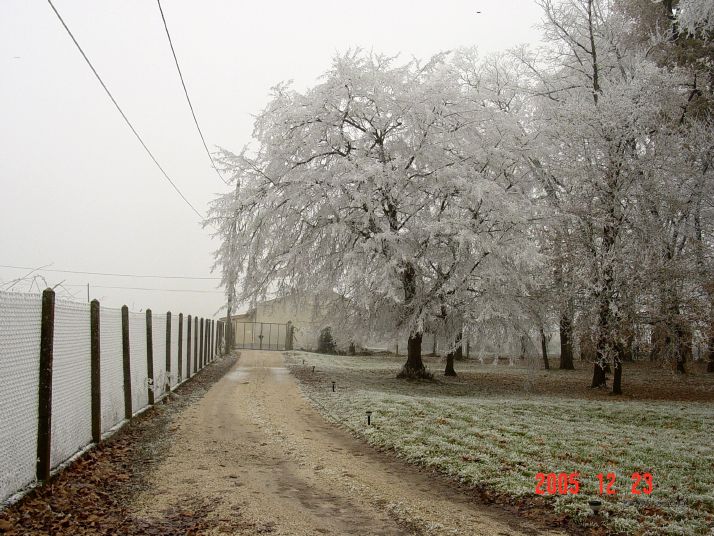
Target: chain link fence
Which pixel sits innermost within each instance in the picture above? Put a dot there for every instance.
(97, 380)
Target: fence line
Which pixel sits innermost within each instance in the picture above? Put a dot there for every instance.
(72, 373)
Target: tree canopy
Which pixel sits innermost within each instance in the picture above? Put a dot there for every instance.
(564, 187)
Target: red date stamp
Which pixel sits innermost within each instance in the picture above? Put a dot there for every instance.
(569, 483)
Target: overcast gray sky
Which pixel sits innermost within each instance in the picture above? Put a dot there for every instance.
(78, 190)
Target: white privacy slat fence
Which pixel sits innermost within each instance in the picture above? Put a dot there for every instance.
(70, 372)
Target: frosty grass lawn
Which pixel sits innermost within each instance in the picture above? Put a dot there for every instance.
(502, 441)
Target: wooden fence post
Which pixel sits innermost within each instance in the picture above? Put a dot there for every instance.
(126, 360)
(149, 357)
(95, 371)
(180, 347)
(168, 352)
(188, 347)
(213, 336)
(195, 344)
(44, 393)
(202, 343)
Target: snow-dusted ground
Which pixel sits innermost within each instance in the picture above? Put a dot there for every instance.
(502, 441)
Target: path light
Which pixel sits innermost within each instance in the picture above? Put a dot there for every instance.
(313, 369)
(333, 387)
(595, 506)
(369, 418)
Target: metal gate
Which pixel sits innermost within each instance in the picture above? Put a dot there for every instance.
(262, 336)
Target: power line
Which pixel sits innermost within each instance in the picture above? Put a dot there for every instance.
(188, 99)
(166, 176)
(150, 288)
(111, 274)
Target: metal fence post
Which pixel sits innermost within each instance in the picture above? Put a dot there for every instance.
(126, 361)
(289, 336)
(44, 393)
(95, 365)
(149, 357)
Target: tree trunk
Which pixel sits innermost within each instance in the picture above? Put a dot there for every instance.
(681, 352)
(566, 343)
(710, 363)
(629, 349)
(459, 354)
(617, 379)
(603, 348)
(684, 346)
(414, 367)
(601, 354)
(449, 371)
(544, 349)
(599, 379)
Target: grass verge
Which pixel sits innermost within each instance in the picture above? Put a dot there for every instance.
(498, 442)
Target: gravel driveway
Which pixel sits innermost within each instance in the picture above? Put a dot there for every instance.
(267, 463)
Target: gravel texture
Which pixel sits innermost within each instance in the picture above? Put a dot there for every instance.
(265, 460)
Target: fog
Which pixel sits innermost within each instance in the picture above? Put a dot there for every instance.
(79, 192)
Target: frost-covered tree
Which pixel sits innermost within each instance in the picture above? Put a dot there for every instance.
(388, 184)
(605, 133)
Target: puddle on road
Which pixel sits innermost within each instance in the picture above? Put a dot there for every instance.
(239, 375)
(243, 374)
(279, 373)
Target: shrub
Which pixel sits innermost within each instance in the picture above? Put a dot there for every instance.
(326, 344)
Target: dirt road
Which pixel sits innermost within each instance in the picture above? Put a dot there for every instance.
(270, 464)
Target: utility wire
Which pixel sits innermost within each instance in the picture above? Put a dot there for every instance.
(150, 288)
(188, 99)
(111, 274)
(166, 176)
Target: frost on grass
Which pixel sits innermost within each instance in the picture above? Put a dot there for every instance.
(501, 442)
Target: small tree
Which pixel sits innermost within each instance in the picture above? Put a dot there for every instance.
(326, 343)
